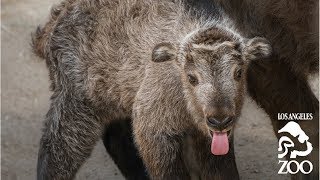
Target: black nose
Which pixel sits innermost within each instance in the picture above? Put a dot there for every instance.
(219, 123)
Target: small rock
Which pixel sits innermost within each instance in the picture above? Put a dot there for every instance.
(254, 125)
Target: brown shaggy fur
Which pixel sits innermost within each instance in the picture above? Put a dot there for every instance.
(280, 84)
(151, 61)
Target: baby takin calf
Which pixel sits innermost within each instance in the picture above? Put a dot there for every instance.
(179, 77)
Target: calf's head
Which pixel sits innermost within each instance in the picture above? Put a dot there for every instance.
(213, 65)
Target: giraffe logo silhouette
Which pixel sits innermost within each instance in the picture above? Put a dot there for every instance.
(285, 142)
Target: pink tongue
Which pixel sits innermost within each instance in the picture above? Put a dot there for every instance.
(220, 143)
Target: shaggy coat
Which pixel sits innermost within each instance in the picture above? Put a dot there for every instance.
(279, 84)
(152, 61)
(292, 27)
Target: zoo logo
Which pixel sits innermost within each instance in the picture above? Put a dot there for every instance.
(295, 130)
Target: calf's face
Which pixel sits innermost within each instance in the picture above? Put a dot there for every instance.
(214, 82)
(213, 78)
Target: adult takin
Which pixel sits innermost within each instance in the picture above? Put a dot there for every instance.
(179, 77)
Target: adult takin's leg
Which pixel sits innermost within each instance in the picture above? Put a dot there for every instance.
(118, 141)
(71, 131)
(277, 90)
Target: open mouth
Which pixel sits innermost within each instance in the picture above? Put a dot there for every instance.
(228, 131)
(220, 138)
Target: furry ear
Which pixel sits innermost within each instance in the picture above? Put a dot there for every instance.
(256, 48)
(163, 52)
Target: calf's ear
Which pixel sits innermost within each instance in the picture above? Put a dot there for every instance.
(163, 52)
(256, 48)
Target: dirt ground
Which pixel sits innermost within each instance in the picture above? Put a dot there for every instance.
(25, 100)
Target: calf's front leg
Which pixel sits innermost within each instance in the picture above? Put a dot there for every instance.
(161, 152)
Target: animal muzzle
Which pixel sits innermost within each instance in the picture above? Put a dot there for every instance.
(220, 124)
(219, 118)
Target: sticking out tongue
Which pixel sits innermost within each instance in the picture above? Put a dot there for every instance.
(220, 143)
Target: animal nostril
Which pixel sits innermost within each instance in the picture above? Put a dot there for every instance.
(226, 121)
(220, 123)
(213, 121)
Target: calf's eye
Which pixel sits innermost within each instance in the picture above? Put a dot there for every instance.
(193, 80)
